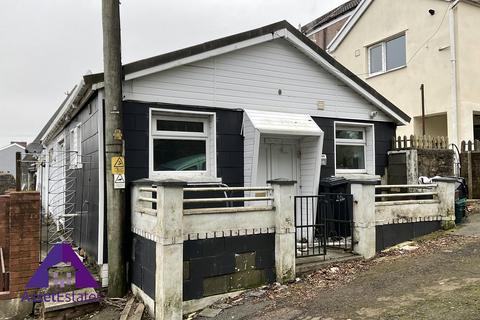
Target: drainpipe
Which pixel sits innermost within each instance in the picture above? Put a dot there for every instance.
(454, 83)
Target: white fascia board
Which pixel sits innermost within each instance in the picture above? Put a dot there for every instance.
(357, 14)
(340, 75)
(324, 26)
(65, 109)
(12, 145)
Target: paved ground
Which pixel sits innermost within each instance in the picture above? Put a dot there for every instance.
(439, 280)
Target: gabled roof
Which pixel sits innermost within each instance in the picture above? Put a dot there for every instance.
(330, 16)
(36, 145)
(360, 10)
(12, 145)
(271, 32)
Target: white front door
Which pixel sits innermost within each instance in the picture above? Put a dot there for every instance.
(278, 158)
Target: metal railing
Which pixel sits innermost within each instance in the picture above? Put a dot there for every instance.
(323, 221)
(406, 194)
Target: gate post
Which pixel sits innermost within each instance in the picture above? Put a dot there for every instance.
(169, 251)
(363, 192)
(284, 197)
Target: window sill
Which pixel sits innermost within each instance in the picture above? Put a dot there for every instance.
(189, 177)
(386, 72)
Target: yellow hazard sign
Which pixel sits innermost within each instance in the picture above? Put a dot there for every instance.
(118, 165)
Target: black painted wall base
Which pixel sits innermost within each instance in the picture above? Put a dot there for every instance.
(221, 265)
(392, 234)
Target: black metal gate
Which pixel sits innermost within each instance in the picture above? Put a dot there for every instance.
(323, 221)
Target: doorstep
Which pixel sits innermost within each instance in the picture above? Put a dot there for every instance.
(309, 264)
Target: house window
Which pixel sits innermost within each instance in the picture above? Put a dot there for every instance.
(350, 144)
(75, 153)
(182, 144)
(387, 55)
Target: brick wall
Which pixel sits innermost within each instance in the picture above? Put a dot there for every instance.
(22, 233)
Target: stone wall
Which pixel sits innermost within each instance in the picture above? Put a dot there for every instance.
(7, 181)
(406, 166)
(433, 162)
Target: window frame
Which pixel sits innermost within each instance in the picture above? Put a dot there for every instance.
(370, 151)
(383, 45)
(351, 142)
(75, 155)
(208, 135)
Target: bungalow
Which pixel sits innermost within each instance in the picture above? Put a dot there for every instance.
(263, 104)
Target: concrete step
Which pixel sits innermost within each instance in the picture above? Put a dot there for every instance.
(311, 264)
(79, 303)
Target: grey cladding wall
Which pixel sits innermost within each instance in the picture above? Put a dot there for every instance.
(85, 179)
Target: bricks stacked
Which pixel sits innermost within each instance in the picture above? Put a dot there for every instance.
(24, 237)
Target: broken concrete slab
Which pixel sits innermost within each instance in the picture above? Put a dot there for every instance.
(210, 312)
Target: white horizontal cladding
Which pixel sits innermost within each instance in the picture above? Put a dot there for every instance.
(283, 123)
(270, 76)
(223, 223)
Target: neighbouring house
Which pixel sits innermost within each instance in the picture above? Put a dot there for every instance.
(237, 111)
(7, 157)
(323, 29)
(398, 45)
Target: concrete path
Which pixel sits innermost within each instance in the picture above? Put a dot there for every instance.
(440, 280)
(471, 226)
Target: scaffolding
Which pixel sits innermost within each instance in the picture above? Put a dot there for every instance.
(68, 173)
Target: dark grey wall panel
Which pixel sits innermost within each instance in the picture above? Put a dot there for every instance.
(219, 265)
(143, 264)
(229, 140)
(85, 179)
(392, 234)
(384, 131)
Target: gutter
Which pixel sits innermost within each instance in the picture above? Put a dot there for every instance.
(453, 75)
(69, 110)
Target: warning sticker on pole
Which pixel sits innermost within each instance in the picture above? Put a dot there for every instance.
(118, 181)
(118, 165)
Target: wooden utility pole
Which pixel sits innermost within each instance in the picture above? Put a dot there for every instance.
(422, 91)
(115, 198)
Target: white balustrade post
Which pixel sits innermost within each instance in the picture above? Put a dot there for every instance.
(363, 192)
(284, 194)
(169, 250)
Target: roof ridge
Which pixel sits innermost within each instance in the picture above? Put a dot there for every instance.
(330, 15)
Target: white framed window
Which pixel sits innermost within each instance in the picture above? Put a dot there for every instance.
(75, 152)
(350, 149)
(387, 55)
(182, 144)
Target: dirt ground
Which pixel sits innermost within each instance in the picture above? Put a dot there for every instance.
(437, 278)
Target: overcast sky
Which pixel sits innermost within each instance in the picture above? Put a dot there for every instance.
(46, 46)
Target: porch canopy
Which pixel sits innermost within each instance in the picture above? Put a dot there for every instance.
(282, 145)
(295, 124)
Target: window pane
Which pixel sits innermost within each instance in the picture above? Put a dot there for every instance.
(185, 126)
(396, 56)
(350, 134)
(376, 64)
(350, 157)
(179, 155)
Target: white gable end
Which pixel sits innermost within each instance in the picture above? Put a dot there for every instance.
(272, 76)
